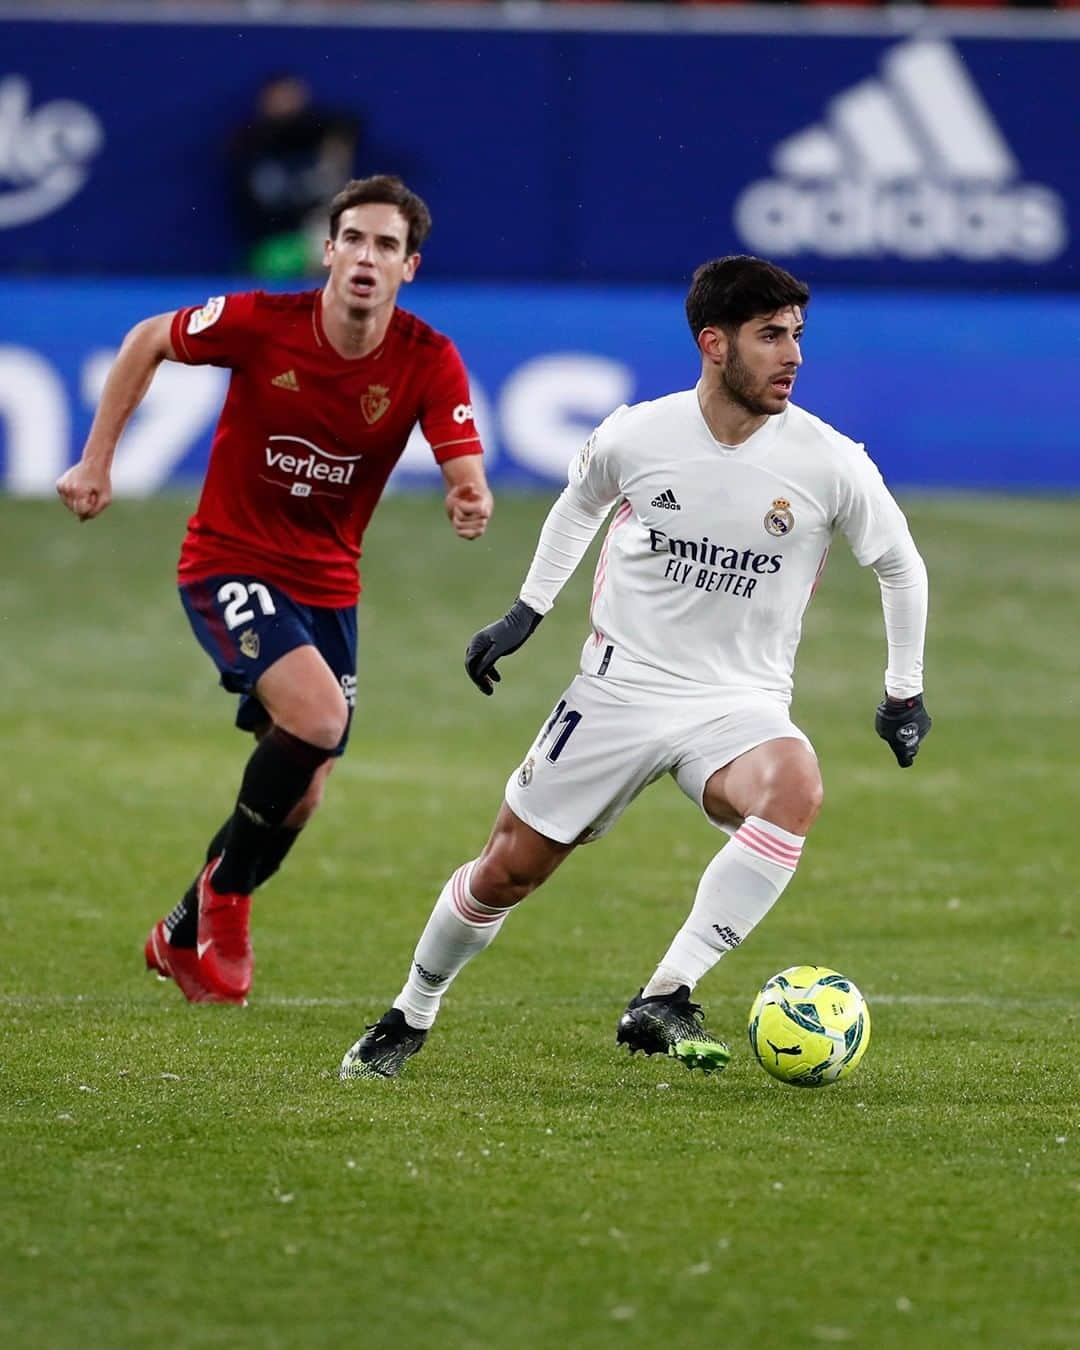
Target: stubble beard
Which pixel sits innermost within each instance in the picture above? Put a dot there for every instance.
(739, 385)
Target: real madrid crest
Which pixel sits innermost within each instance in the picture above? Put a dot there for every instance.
(249, 643)
(525, 773)
(375, 402)
(778, 518)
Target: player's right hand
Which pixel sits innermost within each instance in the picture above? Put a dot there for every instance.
(904, 724)
(85, 490)
(497, 640)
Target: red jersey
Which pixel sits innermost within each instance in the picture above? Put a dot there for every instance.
(307, 438)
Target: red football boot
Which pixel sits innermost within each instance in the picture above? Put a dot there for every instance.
(177, 963)
(225, 961)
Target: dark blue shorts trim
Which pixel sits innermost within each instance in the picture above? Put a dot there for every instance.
(245, 625)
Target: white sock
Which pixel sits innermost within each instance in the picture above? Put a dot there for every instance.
(459, 927)
(736, 891)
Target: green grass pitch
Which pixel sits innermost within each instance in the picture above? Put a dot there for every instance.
(198, 1177)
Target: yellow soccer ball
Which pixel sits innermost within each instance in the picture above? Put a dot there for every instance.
(809, 1026)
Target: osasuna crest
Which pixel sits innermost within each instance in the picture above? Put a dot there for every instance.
(249, 643)
(525, 773)
(778, 518)
(375, 402)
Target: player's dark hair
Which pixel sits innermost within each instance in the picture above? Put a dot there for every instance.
(727, 292)
(388, 189)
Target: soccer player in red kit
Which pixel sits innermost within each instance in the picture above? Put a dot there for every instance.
(326, 387)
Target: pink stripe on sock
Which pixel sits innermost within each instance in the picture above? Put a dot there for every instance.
(768, 843)
(478, 915)
(765, 835)
(463, 902)
(457, 887)
(768, 846)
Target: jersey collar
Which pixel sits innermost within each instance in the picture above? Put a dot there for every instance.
(761, 437)
(326, 346)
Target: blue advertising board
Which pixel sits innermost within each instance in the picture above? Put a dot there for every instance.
(960, 391)
(874, 156)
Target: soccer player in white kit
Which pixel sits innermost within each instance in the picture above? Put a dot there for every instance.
(726, 498)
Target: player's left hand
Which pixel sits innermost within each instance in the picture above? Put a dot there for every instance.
(904, 723)
(469, 509)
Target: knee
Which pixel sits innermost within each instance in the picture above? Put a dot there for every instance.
(812, 800)
(497, 880)
(324, 725)
(795, 803)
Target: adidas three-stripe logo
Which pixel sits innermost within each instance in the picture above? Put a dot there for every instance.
(666, 499)
(911, 164)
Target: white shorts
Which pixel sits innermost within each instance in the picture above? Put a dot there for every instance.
(605, 741)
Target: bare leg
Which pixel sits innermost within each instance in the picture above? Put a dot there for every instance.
(471, 908)
(515, 861)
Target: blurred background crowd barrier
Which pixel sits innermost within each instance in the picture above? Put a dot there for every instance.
(915, 165)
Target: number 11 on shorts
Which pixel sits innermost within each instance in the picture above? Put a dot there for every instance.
(566, 719)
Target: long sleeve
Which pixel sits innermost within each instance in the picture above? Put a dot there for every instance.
(901, 574)
(570, 527)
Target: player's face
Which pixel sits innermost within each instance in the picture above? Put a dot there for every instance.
(368, 261)
(762, 360)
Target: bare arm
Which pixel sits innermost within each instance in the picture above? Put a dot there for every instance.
(86, 488)
(469, 502)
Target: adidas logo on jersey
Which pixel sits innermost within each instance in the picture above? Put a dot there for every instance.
(286, 380)
(666, 499)
(911, 164)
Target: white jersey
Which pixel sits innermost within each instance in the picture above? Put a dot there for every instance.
(714, 551)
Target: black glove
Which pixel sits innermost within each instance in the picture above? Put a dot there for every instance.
(905, 724)
(497, 640)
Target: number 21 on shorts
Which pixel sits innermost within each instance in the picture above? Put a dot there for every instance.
(237, 598)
